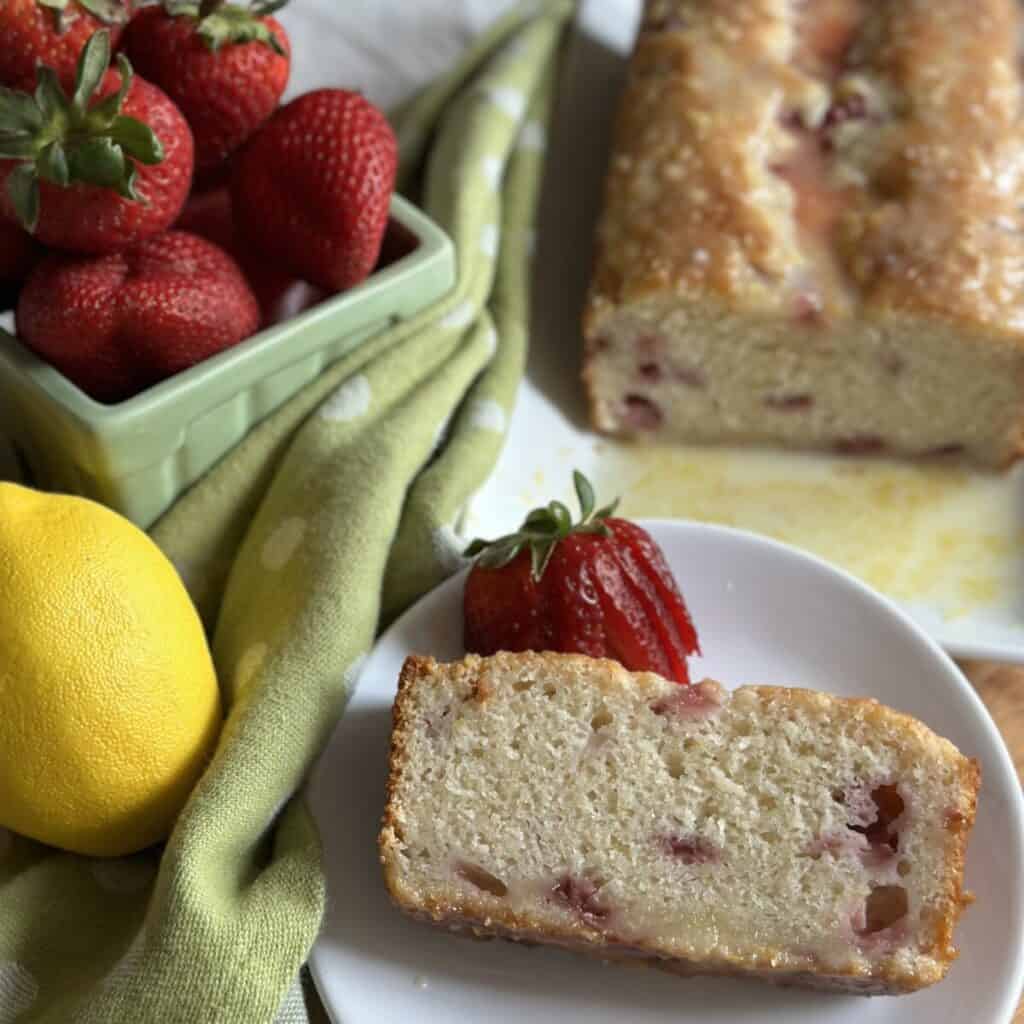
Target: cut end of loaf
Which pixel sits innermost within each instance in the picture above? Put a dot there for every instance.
(774, 833)
(706, 374)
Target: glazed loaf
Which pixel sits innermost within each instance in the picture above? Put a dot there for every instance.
(812, 232)
(781, 834)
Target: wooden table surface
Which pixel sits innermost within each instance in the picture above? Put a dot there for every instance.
(1001, 688)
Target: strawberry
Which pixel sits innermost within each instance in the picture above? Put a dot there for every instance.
(224, 65)
(18, 253)
(97, 170)
(599, 587)
(117, 324)
(280, 295)
(52, 32)
(208, 214)
(313, 187)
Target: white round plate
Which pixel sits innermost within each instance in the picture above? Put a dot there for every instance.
(766, 614)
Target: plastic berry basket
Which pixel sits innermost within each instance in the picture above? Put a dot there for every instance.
(137, 456)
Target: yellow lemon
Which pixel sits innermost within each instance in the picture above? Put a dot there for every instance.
(109, 706)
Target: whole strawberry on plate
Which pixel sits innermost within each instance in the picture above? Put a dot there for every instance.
(224, 64)
(313, 186)
(599, 586)
(98, 169)
(117, 324)
(52, 32)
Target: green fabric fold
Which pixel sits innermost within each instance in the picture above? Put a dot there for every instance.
(326, 521)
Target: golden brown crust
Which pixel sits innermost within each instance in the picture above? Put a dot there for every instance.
(390, 834)
(482, 917)
(957, 899)
(918, 200)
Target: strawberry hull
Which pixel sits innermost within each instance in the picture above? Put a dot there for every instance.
(87, 218)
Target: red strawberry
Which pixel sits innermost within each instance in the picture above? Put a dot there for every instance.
(117, 324)
(98, 170)
(599, 587)
(280, 295)
(208, 214)
(224, 65)
(19, 253)
(52, 32)
(314, 184)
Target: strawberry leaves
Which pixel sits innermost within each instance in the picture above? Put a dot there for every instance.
(92, 66)
(219, 23)
(23, 188)
(542, 530)
(70, 140)
(18, 113)
(110, 12)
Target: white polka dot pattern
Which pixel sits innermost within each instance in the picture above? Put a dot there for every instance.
(532, 136)
(461, 316)
(489, 238)
(249, 665)
(491, 339)
(509, 101)
(486, 414)
(349, 402)
(281, 545)
(492, 168)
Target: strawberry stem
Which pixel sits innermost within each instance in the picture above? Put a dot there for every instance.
(110, 12)
(219, 22)
(542, 529)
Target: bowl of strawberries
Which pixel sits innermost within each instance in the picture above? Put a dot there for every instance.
(182, 253)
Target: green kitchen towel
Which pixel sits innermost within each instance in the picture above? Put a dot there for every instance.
(328, 519)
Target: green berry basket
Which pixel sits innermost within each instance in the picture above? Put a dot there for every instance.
(137, 456)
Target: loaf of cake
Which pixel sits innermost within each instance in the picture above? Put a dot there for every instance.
(773, 833)
(812, 233)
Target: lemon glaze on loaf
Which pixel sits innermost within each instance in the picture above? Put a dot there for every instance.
(775, 833)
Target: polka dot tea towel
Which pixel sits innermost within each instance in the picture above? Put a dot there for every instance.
(330, 517)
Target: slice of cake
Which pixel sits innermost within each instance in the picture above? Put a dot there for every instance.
(782, 834)
(813, 231)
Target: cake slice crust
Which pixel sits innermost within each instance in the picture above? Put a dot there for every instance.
(773, 833)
